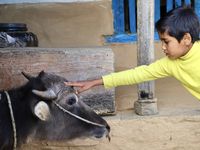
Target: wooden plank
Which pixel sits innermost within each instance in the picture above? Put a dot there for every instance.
(118, 15)
(71, 63)
(169, 5)
(178, 3)
(42, 1)
(132, 16)
(187, 2)
(197, 7)
(157, 10)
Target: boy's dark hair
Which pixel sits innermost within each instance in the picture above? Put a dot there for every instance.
(179, 21)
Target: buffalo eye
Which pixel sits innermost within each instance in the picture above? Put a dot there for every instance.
(71, 100)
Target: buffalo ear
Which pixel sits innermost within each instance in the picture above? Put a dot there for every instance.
(42, 73)
(41, 110)
(26, 75)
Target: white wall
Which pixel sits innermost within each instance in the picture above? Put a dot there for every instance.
(42, 1)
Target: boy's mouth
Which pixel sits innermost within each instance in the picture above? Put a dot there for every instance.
(166, 54)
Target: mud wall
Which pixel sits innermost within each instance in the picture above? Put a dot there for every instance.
(65, 25)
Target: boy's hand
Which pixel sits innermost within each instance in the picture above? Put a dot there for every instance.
(84, 85)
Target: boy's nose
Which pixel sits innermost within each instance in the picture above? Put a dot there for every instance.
(163, 46)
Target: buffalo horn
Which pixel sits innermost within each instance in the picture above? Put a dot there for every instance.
(27, 76)
(48, 94)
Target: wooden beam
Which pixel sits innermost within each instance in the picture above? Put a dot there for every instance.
(43, 1)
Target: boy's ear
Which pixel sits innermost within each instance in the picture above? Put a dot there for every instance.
(187, 39)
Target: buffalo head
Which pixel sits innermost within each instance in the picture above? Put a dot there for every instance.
(63, 115)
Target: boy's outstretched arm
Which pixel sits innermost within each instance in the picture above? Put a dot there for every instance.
(85, 85)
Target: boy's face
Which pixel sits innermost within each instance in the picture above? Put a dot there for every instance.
(172, 48)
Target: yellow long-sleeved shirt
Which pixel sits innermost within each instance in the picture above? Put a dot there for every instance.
(186, 69)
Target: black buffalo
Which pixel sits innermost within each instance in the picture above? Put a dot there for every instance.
(41, 110)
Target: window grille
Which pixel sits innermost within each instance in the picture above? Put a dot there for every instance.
(125, 17)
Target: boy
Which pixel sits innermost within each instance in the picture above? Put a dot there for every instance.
(179, 33)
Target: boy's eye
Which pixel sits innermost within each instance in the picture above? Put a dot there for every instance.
(166, 42)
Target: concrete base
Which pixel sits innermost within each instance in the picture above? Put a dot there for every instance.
(146, 107)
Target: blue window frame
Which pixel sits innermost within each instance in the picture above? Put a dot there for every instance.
(124, 12)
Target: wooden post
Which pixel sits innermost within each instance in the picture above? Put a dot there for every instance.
(146, 103)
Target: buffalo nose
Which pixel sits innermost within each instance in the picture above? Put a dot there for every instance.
(108, 131)
(108, 128)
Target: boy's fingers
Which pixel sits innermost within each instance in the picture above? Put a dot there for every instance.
(73, 84)
(77, 92)
(80, 90)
